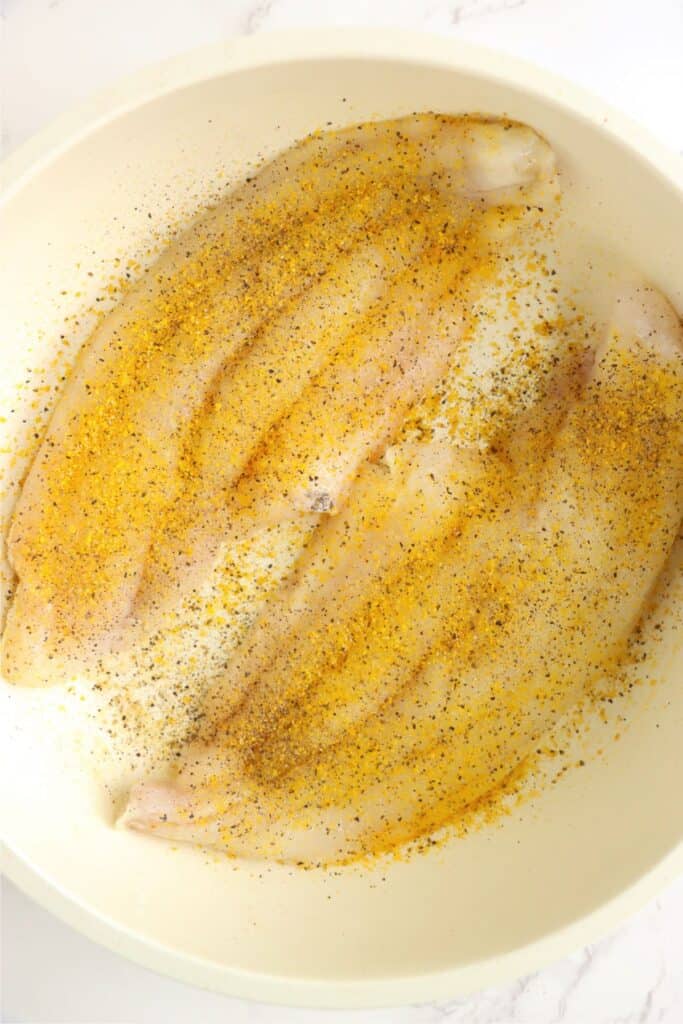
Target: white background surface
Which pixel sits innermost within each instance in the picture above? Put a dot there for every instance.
(54, 52)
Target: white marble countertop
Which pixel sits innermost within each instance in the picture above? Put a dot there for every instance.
(54, 52)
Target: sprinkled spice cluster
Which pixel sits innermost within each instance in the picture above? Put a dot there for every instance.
(356, 492)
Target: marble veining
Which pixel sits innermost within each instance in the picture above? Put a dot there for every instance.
(256, 16)
(53, 53)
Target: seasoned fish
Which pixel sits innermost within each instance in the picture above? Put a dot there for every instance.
(533, 606)
(114, 458)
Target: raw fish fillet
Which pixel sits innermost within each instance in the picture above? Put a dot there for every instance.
(114, 460)
(534, 603)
